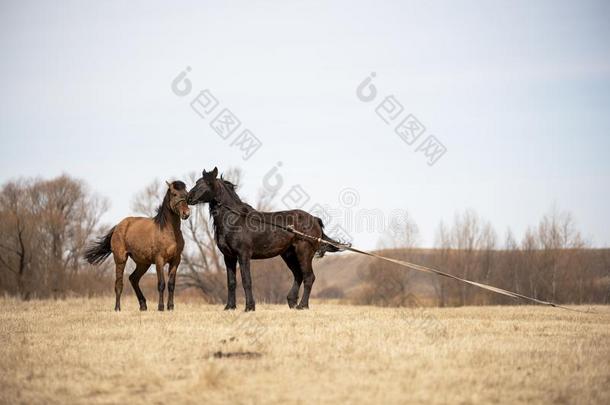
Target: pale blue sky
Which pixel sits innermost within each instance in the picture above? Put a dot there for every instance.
(518, 92)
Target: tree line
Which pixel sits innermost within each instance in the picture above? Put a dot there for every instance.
(46, 224)
(551, 262)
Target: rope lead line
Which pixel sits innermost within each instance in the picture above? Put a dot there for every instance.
(424, 269)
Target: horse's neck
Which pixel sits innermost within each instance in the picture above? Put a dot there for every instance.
(172, 221)
(224, 205)
(225, 200)
(219, 209)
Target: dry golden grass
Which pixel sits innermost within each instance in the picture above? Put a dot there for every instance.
(80, 351)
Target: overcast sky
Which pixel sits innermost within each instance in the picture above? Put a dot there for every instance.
(517, 92)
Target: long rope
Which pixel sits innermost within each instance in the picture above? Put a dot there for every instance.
(414, 266)
(425, 269)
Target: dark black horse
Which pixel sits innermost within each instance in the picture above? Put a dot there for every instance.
(243, 233)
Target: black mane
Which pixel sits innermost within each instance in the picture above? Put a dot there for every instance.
(230, 188)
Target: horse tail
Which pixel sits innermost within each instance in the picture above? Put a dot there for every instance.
(99, 250)
(326, 247)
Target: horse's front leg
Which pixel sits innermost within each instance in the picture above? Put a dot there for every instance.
(160, 281)
(246, 280)
(171, 283)
(231, 265)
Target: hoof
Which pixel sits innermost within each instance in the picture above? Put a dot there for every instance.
(143, 306)
(300, 306)
(292, 303)
(117, 309)
(170, 307)
(161, 307)
(250, 308)
(230, 307)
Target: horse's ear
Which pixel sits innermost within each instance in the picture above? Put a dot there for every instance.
(214, 172)
(203, 172)
(168, 184)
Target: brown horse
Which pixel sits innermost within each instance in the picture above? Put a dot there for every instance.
(243, 233)
(147, 241)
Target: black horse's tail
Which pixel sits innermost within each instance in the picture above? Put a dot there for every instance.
(99, 250)
(326, 247)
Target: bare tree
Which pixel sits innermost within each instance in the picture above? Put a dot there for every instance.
(488, 240)
(512, 261)
(402, 232)
(466, 233)
(557, 237)
(387, 284)
(148, 200)
(264, 199)
(442, 243)
(45, 226)
(15, 254)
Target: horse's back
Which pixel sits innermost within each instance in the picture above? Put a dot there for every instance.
(270, 240)
(135, 236)
(296, 217)
(138, 226)
(301, 220)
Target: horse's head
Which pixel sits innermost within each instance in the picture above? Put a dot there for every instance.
(177, 194)
(205, 189)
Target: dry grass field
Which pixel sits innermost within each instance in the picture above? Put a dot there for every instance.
(80, 351)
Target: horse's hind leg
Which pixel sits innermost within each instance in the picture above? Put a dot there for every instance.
(118, 283)
(293, 264)
(134, 278)
(305, 256)
(160, 282)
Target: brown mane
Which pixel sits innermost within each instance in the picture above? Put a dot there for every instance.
(164, 210)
